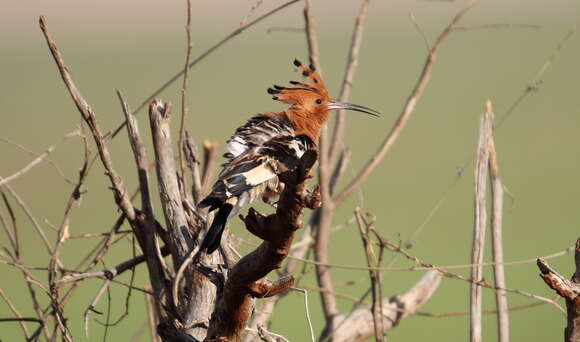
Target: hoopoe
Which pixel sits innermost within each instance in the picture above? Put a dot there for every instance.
(268, 145)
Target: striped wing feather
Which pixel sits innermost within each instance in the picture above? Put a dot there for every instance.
(260, 150)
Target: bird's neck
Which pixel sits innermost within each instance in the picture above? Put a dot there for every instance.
(308, 124)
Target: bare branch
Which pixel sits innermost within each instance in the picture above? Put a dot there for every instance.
(421, 268)
(245, 280)
(307, 310)
(352, 63)
(375, 284)
(497, 241)
(111, 272)
(421, 31)
(407, 111)
(91, 307)
(177, 227)
(481, 170)
(537, 80)
(396, 248)
(310, 28)
(30, 216)
(140, 154)
(254, 7)
(46, 158)
(19, 317)
(206, 53)
(569, 290)
(86, 112)
(30, 165)
(184, 108)
(261, 316)
(359, 325)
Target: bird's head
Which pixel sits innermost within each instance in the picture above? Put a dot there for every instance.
(310, 101)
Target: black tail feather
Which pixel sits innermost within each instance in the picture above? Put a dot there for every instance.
(212, 239)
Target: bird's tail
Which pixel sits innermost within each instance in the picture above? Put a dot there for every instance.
(212, 239)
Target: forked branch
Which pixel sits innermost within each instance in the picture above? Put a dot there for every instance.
(567, 289)
(246, 280)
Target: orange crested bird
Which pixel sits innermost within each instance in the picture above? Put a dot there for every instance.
(268, 145)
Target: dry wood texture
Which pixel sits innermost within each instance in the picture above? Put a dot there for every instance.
(567, 289)
(246, 280)
(195, 297)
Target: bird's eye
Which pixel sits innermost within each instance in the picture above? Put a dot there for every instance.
(318, 101)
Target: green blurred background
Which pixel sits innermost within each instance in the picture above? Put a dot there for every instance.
(136, 45)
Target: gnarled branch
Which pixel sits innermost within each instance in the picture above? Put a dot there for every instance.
(567, 289)
(246, 280)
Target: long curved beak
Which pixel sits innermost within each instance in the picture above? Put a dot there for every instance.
(351, 106)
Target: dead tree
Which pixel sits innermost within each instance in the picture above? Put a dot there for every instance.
(186, 289)
(198, 297)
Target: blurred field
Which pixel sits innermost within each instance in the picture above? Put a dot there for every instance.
(136, 45)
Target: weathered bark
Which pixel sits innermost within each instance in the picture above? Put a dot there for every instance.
(197, 292)
(246, 280)
(569, 290)
(358, 326)
(481, 171)
(179, 235)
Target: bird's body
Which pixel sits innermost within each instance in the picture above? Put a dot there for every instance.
(267, 145)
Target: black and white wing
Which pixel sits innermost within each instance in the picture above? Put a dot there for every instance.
(255, 161)
(258, 152)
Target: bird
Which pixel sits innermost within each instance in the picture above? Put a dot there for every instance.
(267, 145)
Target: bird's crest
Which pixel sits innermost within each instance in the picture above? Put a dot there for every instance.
(312, 87)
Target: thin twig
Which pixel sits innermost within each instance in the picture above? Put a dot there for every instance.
(91, 307)
(86, 112)
(180, 273)
(30, 216)
(254, 7)
(308, 319)
(367, 246)
(12, 234)
(397, 248)
(43, 156)
(184, 108)
(201, 57)
(537, 80)
(15, 312)
(48, 160)
(109, 273)
(149, 243)
(329, 304)
(310, 28)
(265, 335)
(421, 31)
(420, 268)
(352, 63)
(407, 111)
